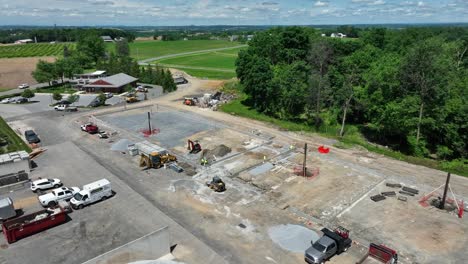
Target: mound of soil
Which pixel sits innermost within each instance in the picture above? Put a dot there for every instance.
(220, 151)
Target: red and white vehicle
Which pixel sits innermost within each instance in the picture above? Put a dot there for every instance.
(90, 128)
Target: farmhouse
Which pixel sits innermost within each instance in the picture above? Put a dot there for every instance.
(24, 41)
(113, 84)
(107, 39)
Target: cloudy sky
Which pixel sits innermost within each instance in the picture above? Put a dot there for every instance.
(232, 12)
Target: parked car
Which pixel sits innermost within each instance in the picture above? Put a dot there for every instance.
(44, 184)
(21, 100)
(60, 194)
(90, 128)
(141, 89)
(66, 108)
(23, 86)
(54, 82)
(93, 192)
(63, 102)
(330, 244)
(31, 136)
(147, 86)
(108, 95)
(7, 100)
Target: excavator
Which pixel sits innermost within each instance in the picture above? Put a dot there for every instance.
(194, 147)
(217, 184)
(156, 160)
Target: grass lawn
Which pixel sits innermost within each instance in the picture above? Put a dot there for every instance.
(148, 49)
(15, 143)
(209, 74)
(66, 89)
(222, 59)
(236, 107)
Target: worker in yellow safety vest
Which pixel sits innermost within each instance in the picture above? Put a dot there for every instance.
(204, 161)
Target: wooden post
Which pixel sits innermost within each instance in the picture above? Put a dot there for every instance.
(304, 167)
(442, 203)
(149, 122)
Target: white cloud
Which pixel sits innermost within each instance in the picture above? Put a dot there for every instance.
(321, 4)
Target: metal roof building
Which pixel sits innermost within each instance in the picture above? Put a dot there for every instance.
(113, 84)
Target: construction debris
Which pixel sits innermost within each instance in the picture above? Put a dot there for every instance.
(406, 193)
(393, 185)
(377, 198)
(388, 193)
(211, 101)
(402, 198)
(410, 190)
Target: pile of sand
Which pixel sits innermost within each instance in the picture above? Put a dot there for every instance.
(219, 151)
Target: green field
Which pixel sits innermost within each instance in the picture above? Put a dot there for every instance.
(210, 65)
(149, 49)
(209, 74)
(33, 50)
(9, 140)
(225, 59)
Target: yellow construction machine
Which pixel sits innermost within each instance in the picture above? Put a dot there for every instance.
(156, 160)
(131, 98)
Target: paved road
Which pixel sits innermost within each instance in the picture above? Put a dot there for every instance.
(146, 61)
(32, 87)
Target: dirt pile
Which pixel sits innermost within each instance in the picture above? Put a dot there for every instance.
(219, 151)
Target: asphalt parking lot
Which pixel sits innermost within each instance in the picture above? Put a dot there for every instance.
(99, 227)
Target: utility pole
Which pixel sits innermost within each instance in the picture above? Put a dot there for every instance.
(304, 167)
(442, 203)
(149, 122)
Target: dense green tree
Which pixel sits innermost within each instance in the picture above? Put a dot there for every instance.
(57, 96)
(45, 72)
(27, 94)
(91, 46)
(122, 48)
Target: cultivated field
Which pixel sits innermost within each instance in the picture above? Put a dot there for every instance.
(33, 50)
(14, 71)
(148, 49)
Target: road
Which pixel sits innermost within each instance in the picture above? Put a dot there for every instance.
(146, 61)
(32, 87)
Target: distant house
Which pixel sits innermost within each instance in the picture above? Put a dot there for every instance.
(233, 38)
(107, 39)
(249, 37)
(324, 35)
(338, 35)
(24, 41)
(113, 84)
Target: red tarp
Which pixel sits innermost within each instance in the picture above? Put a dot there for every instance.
(323, 150)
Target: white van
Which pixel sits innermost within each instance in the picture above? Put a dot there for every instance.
(93, 192)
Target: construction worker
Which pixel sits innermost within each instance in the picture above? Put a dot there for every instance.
(264, 158)
(204, 161)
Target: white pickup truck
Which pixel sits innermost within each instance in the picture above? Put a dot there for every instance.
(66, 108)
(59, 194)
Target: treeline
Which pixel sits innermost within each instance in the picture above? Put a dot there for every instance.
(61, 34)
(406, 89)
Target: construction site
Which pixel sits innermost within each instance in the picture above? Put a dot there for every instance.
(249, 192)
